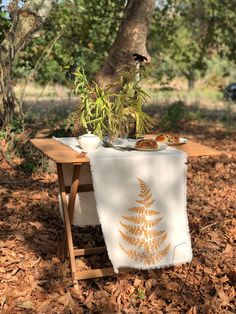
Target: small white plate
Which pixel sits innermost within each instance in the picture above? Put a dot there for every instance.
(161, 146)
(130, 143)
(181, 142)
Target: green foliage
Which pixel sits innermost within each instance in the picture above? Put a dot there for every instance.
(86, 29)
(141, 294)
(15, 143)
(221, 71)
(105, 112)
(177, 114)
(4, 21)
(186, 34)
(32, 160)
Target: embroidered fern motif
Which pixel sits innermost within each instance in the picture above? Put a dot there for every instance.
(146, 240)
(145, 257)
(140, 231)
(143, 243)
(143, 210)
(142, 221)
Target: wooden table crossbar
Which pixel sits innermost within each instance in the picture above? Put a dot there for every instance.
(62, 154)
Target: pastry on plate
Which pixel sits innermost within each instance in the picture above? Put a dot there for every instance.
(146, 144)
(167, 138)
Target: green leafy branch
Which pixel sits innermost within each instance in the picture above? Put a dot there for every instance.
(105, 112)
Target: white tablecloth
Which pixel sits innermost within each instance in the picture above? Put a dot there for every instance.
(141, 206)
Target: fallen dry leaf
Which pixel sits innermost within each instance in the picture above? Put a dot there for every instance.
(193, 310)
(28, 305)
(34, 277)
(66, 300)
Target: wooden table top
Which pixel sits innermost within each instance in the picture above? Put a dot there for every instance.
(63, 154)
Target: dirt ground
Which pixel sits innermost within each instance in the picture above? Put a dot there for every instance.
(34, 278)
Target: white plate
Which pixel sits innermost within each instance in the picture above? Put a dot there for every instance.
(181, 142)
(130, 143)
(161, 146)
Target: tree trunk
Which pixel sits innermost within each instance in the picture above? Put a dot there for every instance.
(25, 22)
(191, 81)
(131, 38)
(8, 95)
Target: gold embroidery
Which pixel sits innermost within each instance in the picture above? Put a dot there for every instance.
(140, 231)
(142, 221)
(145, 257)
(146, 240)
(143, 210)
(144, 243)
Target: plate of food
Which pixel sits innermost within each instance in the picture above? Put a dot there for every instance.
(144, 144)
(148, 144)
(170, 139)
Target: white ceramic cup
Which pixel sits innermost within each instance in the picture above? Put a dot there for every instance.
(89, 142)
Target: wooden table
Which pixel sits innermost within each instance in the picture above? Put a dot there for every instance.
(62, 154)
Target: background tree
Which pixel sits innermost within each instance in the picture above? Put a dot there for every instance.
(88, 29)
(183, 38)
(26, 21)
(130, 39)
(185, 35)
(4, 21)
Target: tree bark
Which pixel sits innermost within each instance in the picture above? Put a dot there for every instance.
(131, 38)
(25, 22)
(191, 81)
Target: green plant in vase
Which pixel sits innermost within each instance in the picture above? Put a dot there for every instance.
(112, 111)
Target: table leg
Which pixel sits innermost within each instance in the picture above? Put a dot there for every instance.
(73, 191)
(67, 222)
(68, 211)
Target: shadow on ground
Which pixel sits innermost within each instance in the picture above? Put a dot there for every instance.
(34, 278)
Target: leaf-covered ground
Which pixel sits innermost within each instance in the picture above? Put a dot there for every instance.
(33, 278)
